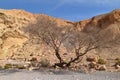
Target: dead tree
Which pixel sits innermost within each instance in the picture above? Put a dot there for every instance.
(54, 38)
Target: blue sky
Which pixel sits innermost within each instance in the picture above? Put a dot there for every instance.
(73, 10)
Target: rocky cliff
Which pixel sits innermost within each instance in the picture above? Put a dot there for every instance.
(13, 39)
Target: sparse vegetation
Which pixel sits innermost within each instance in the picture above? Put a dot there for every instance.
(18, 66)
(117, 62)
(1, 67)
(45, 63)
(101, 61)
(7, 66)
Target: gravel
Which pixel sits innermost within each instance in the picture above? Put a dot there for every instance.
(56, 75)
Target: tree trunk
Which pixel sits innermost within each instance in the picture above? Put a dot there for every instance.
(58, 55)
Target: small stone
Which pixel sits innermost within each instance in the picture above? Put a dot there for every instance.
(33, 68)
(92, 65)
(92, 58)
(102, 68)
(117, 66)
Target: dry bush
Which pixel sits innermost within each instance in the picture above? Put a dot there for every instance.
(18, 66)
(45, 63)
(117, 62)
(7, 66)
(101, 61)
(1, 67)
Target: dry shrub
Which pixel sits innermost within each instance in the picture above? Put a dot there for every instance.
(101, 61)
(7, 66)
(117, 62)
(1, 67)
(45, 63)
(18, 66)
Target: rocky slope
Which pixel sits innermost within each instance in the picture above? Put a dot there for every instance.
(108, 26)
(11, 37)
(14, 41)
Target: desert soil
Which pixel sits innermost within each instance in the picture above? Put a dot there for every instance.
(45, 74)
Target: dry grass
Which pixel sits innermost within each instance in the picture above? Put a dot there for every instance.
(101, 61)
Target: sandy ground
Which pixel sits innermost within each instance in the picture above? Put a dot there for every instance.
(56, 75)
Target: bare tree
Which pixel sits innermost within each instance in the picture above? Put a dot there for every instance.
(54, 38)
(81, 43)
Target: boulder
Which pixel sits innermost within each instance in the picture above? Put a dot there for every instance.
(117, 66)
(102, 68)
(33, 68)
(92, 65)
(92, 58)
